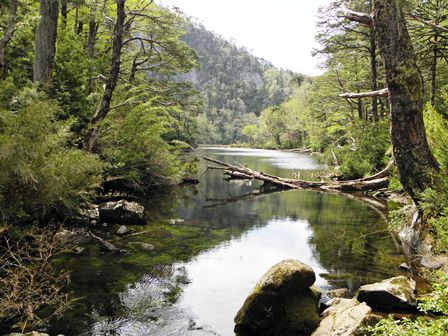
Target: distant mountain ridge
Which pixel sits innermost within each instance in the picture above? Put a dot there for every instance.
(235, 84)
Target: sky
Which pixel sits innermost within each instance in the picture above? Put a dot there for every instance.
(280, 31)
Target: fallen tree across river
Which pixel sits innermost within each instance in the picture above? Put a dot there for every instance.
(238, 171)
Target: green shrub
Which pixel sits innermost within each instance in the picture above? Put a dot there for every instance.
(132, 145)
(435, 207)
(40, 173)
(408, 327)
(362, 151)
(436, 129)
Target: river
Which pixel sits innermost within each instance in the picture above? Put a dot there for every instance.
(213, 241)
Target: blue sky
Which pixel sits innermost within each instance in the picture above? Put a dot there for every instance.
(281, 31)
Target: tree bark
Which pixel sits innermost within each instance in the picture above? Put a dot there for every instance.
(64, 13)
(45, 47)
(434, 71)
(373, 74)
(414, 160)
(7, 35)
(91, 41)
(104, 106)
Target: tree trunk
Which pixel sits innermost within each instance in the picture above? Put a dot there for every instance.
(434, 71)
(91, 41)
(104, 106)
(414, 160)
(133, 70)
(359, 107)
(373, 74)
(7, 35)
(45, 48)
(64, 13)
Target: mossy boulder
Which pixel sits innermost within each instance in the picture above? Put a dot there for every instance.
(345, 317)
(390, 294)
(282, 303)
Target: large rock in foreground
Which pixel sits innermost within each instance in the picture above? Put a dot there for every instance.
(282, 303)
(390, 294)
(345, 317)
(122, 212)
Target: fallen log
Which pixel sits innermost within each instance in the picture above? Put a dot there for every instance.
(370, 183)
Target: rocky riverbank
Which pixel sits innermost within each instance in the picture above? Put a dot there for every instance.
(285, 302)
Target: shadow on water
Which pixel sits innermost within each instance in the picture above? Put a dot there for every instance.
(201, 269)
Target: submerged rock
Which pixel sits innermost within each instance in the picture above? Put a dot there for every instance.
(176, 221)
(345, 317)
(79, 236)
(122, 230)
(389, 294)
(143, 246)
(282, 303)
(78, 250)
(122, 212)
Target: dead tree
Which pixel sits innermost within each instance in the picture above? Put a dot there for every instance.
(415, 163)
(46, 34)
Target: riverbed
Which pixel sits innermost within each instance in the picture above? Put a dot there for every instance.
(213, 241)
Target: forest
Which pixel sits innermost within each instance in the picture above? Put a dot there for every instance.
(102, 98)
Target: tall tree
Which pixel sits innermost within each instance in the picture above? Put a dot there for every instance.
(45, 47)
(104, 106)
(414, 160)
(7, 35)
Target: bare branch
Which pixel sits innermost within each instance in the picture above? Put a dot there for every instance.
(378, 93)
(427, 23)
(357, 17)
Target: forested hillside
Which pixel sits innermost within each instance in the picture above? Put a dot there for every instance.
(235, 84)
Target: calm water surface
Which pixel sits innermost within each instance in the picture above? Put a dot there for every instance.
(202, 269)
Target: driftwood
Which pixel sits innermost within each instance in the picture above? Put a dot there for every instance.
(370, 183)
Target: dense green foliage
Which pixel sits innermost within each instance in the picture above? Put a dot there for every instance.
(41, 173)
(44, 169)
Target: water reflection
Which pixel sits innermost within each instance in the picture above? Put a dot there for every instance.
(231, 234)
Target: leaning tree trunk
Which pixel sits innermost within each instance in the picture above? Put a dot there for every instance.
(104, 106)
(45, 48)
(7, 35)
(415, 162)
